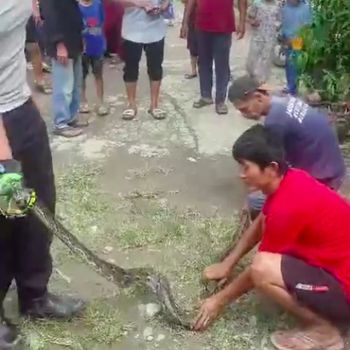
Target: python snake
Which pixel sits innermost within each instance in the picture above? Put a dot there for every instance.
(123, 278)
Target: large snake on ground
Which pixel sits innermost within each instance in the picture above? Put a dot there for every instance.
(123, 278)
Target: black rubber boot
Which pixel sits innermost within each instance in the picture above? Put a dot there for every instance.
(9, 335)
(52, 306)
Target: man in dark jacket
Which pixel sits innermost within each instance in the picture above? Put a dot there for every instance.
(63, 29)
(24, 153)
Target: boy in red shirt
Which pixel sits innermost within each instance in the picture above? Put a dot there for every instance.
(215, 23)
(303, 260)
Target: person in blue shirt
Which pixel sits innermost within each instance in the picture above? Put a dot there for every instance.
(94, 49)
(296, 14)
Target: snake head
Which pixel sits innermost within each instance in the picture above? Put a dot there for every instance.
(154, 282)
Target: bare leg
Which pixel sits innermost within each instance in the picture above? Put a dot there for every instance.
(99, 88)
(84, 100)
(155, 91)
(131, 94)
(102, 109)
(267, 278)
(36, 59)
(194, 62)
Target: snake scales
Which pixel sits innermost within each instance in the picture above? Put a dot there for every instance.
(123, 278)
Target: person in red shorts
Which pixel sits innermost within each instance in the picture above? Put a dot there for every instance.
(303, 259)
(215, 23)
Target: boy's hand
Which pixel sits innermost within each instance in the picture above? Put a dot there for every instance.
(184, 31)
(208, 313)
(217, 272)
(240, 30)
(62, 54)
(37, 19)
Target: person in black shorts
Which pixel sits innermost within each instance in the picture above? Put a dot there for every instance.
(94, 49)
(35, 56)
(303, 257)
(192, 44)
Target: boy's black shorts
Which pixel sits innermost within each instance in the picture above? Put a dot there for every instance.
(32, 35)
(316, 289)
(96, 64)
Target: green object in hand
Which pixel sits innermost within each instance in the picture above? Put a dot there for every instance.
(15, 200)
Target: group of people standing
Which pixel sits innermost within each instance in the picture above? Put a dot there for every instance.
(77, 36)
(209, 33)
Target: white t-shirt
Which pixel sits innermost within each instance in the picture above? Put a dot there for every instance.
(14, 90)
(140, 27)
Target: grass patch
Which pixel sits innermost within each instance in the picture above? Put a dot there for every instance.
(186, 242)
(100, 324)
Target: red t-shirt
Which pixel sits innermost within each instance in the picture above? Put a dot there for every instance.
(215, 16)
(309, 221)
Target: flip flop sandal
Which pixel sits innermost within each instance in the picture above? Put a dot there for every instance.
(157, 113)
(221, 109)
(190, 76)
(298, 340)
(202, 103)
(43, 88)
(129, 114)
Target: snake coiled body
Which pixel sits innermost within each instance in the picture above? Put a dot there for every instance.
(123, 278)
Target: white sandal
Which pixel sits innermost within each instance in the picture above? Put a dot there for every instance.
(129, 114)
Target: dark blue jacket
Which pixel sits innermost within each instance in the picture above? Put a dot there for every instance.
(62, 23)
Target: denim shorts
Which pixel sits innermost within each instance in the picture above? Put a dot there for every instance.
(256, 201)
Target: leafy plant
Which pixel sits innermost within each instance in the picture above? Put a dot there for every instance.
(324, 63)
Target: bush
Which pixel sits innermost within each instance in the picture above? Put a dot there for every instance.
(324, 63)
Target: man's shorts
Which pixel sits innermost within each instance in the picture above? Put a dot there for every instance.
(32, 35)
(95, 63)
(315, 289)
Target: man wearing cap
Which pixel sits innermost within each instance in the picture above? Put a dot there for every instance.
(307, 134)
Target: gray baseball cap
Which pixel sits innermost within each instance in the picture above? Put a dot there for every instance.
(243, 86)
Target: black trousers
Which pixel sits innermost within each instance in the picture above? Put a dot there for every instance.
(25, 242)
(132, 56)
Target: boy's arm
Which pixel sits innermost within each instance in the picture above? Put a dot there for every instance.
(189, 8)
(250, 238)
(190, 5)
(242, 5)
(212, 307)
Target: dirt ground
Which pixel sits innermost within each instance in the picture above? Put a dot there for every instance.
(150, 193)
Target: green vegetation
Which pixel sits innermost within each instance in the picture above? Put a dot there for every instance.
(179, 244)
(325, 61)
(100, 324)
